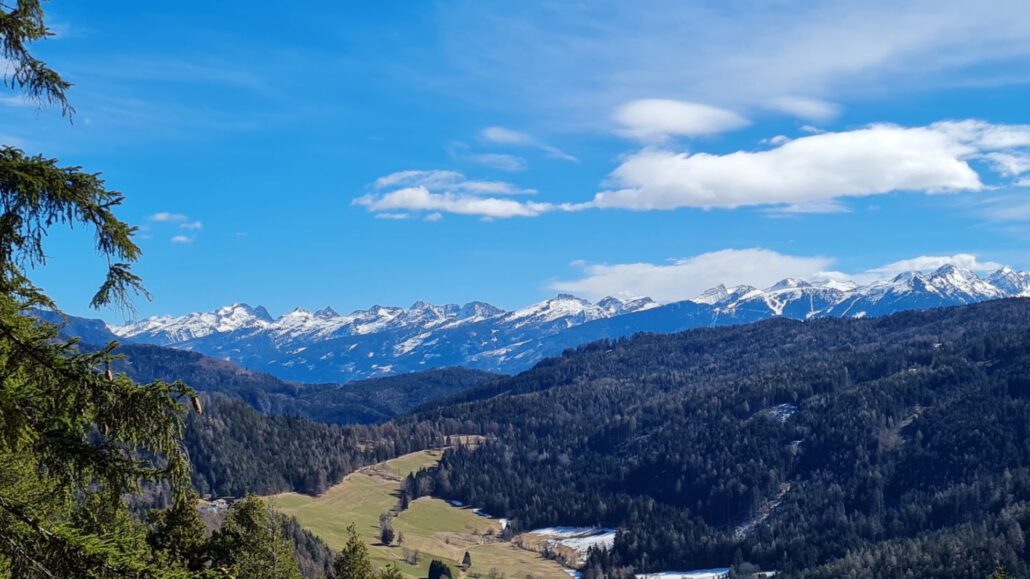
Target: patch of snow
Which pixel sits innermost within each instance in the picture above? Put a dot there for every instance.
(716, 573)
(781, 412)
(503, 522)
(579, 539)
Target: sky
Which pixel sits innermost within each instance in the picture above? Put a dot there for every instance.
(351, 154)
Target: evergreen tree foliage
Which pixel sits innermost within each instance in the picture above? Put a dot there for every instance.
(177, 535)
(74, 437)
(352, 561)
(251, 543)
(438, 570)
(386, 532)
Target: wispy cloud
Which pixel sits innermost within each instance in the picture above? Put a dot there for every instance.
(180, 221)
(451, 181)
(573, 62)
(806, 108)
(500, 161)
(505, 136)
(166, 216)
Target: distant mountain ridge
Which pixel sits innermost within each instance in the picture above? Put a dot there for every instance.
(326, 346)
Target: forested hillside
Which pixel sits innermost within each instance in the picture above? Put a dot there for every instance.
(827, 448)
(236, 451)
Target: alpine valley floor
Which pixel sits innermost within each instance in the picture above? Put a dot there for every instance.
(433, 527)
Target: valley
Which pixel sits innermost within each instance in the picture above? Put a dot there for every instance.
(433, 527)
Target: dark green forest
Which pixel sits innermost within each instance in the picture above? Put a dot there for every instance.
(827, 448)
(235, 451)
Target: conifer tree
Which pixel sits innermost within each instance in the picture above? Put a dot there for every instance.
(352, 562)
(74, 437)
(251, 543)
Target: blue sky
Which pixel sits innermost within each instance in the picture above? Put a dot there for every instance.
(350, 154)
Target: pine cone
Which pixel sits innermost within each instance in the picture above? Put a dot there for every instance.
(196, 404)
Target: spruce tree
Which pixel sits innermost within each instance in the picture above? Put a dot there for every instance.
(352, 562)
(74, 437)
(251, 543)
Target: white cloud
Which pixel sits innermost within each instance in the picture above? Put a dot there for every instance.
(689, 277)
(1009, 164)
(815, 207)
(806, 108)
(809, 170)
(686, 278)
(421, 199)
(393, 216)
(926, 263)
(657, 119)
(986, 136)
(184, 223)
(505, 136)
(777, 140)
(436, 192)
(165, 216)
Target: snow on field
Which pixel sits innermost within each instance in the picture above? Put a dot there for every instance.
(718, 573)
(457, 503)
(579, 539)
(484, 514)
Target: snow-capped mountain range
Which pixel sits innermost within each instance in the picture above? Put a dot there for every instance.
(326, 346)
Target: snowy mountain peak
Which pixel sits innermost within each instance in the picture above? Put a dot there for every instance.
(480, 310)
(789, 283)
(1010, 281)
(326, 313)
(715, 295)
(613, 306)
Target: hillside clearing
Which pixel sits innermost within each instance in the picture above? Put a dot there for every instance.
(434, 528)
